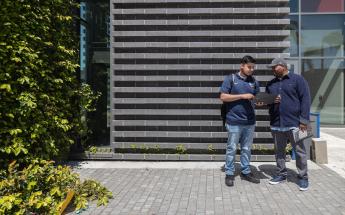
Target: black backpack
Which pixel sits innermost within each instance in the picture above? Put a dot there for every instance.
(223, 107)
(223, 112)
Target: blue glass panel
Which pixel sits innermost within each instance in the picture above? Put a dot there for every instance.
(326, 79)
(293, 6)
(322, 35)
(294, 36)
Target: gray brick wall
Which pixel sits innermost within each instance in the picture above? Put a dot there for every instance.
(168, 58)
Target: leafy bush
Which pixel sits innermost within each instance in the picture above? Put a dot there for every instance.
(41, 188)
(42, 107)
(181, 149)
(42, 103)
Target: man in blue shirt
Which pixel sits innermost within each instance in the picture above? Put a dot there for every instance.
(289, 113)
(237, 92)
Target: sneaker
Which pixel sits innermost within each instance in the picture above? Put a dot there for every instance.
(277, 179)
(303, 184)
(229, 180)
(250, 177)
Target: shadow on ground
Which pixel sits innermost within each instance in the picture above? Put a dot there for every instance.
(265, 171)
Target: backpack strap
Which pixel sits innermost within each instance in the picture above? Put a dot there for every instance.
(232, 81)
(255, 83)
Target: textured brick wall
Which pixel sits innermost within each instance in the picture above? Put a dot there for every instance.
(168, 58)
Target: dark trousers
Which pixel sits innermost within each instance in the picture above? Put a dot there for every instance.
(280, 141)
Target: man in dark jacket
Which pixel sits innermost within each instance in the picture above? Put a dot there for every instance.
(238, 91)
(288, 115)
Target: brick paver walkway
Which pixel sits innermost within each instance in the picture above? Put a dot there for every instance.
(202, 191)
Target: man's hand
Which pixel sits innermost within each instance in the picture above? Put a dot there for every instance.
(247, 96)
(277, 99)
(260, 104)
(302, 127)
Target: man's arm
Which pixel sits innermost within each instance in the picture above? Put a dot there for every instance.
(304, 98)
(224, 97)
(225, 92)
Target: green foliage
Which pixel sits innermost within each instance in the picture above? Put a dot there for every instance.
(42, 102)
(288, 148)
(42, 107)
(181, 149)
(144, 148)
(210, 148)
(93, 149)
(156, 148)
(41, 188)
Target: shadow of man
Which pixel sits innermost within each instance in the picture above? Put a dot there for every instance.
(257, 172)
(271, 170)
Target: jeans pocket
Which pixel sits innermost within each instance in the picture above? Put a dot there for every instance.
(233, 128)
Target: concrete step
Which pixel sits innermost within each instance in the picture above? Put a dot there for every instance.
(196, 55)
(167, 157)
(176, 112)
(181, 78)
(203, 22)
(165, 101)
(176, 123)
(180, 134)
(268, 10)
(171, 106)
(179, 117)
(276, 44)
(181, 128)
(144, 67)
(208, 146)
(170, 90)
(195, 1)
(202, 33)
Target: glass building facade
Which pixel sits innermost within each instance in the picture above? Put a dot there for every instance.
(94, 63)
(317, 52)
(317, 47)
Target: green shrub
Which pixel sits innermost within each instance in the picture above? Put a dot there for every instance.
(42, 107)
(210, 148)
(181, 149)
(43, 104)
(288, 148)
(41, 188)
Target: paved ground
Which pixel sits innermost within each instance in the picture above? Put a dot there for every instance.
(198, 187)
(192, 188)
(336, 148)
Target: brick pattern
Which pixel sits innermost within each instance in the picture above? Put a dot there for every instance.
(202, 191)
(169, 57)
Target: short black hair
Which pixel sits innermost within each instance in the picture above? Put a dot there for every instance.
(247, 59)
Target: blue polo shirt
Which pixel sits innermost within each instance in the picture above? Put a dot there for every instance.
(240, 112)
(294, 107)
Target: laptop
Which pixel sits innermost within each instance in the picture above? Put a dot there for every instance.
(265, 98)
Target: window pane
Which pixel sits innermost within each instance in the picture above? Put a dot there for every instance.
(294, 34)
(323, 35)
(326, 82)
(96, 56)
(293, 6)
(322, 5)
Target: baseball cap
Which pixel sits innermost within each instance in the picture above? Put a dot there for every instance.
(277, 61)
